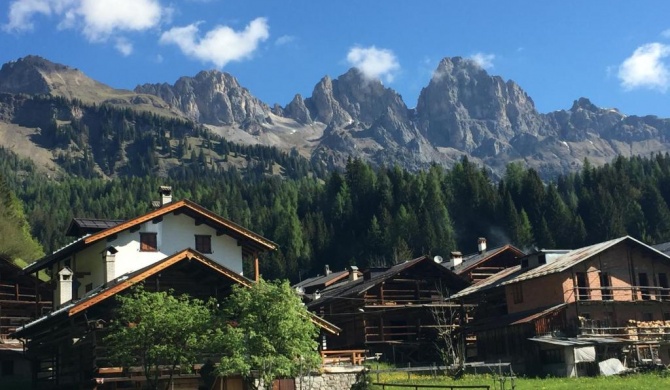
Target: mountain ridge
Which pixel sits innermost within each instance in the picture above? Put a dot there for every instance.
(463, 111)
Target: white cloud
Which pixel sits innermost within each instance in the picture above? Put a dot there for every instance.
(285, 40)
(97, 19)
(124, 47)
(645, 68)
(21, 12)
(485, 61)
(374, 63)
(220, 45)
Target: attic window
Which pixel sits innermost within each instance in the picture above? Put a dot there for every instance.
(148, 242)
(203, 243)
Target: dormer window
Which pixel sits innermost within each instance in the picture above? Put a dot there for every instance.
(148, 242)
(203, 243)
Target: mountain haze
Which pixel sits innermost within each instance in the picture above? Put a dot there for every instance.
(463, 111)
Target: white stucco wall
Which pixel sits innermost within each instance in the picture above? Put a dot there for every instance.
(174, 234)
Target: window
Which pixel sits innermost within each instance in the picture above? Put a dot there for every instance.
(643, 281)
(605, 283)
(148, 242)
(517, 293)
(203, 244)
(663, 283)
(583, 287)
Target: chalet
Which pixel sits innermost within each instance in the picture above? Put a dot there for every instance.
(180, 246)
(390, 311)
(559, 312)
(22, 298)
(485, 262)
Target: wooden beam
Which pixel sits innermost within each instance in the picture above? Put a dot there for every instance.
(135, 228)
(256, 268)
(112, 238)
(157, 220)
(199, 221)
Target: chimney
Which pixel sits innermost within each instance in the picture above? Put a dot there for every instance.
(166, 194)
(63, 287)
(110, 263)
(327, 270)
(481, 245)
(353, 273)
(455, 258)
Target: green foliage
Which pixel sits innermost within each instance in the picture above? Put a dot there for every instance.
(158, 329)
(16, 242)
(364, 216)
(637, 381)
(269, 334)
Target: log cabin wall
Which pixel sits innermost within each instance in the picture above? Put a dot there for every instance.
(70, 351)
(22, 298)
(393, 311)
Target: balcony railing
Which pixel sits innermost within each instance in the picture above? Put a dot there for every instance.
(627, 293)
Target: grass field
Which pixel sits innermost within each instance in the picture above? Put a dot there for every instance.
(638, 381)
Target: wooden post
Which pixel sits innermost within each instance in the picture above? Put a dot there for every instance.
(256, 268)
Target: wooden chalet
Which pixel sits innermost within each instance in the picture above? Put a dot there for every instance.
(23, 298)
(560, 312)
(390, 311)
(485, 262)
(179, 246)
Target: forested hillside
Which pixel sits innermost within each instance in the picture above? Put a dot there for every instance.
(367, 217)
(104, 141)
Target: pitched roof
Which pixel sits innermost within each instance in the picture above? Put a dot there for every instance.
(80, 226)
(361, 285)
(562, 263)
(324, 280)
(664, 247)
(123, 282)
(518, 318)
(577, 256)
(475, 259)
(491, 282)
(250, 241)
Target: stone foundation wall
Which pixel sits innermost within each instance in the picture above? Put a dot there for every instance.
(326, 381)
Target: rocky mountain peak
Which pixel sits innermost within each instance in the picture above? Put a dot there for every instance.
(211, 97)
(353, 98)
(584, 104)
(25, 75)
(297, 110)
(463, 106)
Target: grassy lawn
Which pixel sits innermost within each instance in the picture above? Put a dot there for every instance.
(638, 381)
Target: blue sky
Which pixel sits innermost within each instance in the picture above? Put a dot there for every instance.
(615, 52)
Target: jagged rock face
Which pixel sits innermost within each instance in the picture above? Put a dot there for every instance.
(324, 107)
(462, 111)
(211, 97)
(298, 110)
(463, 107)
(354, 98)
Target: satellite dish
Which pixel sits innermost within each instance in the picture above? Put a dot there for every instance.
(438, 259)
